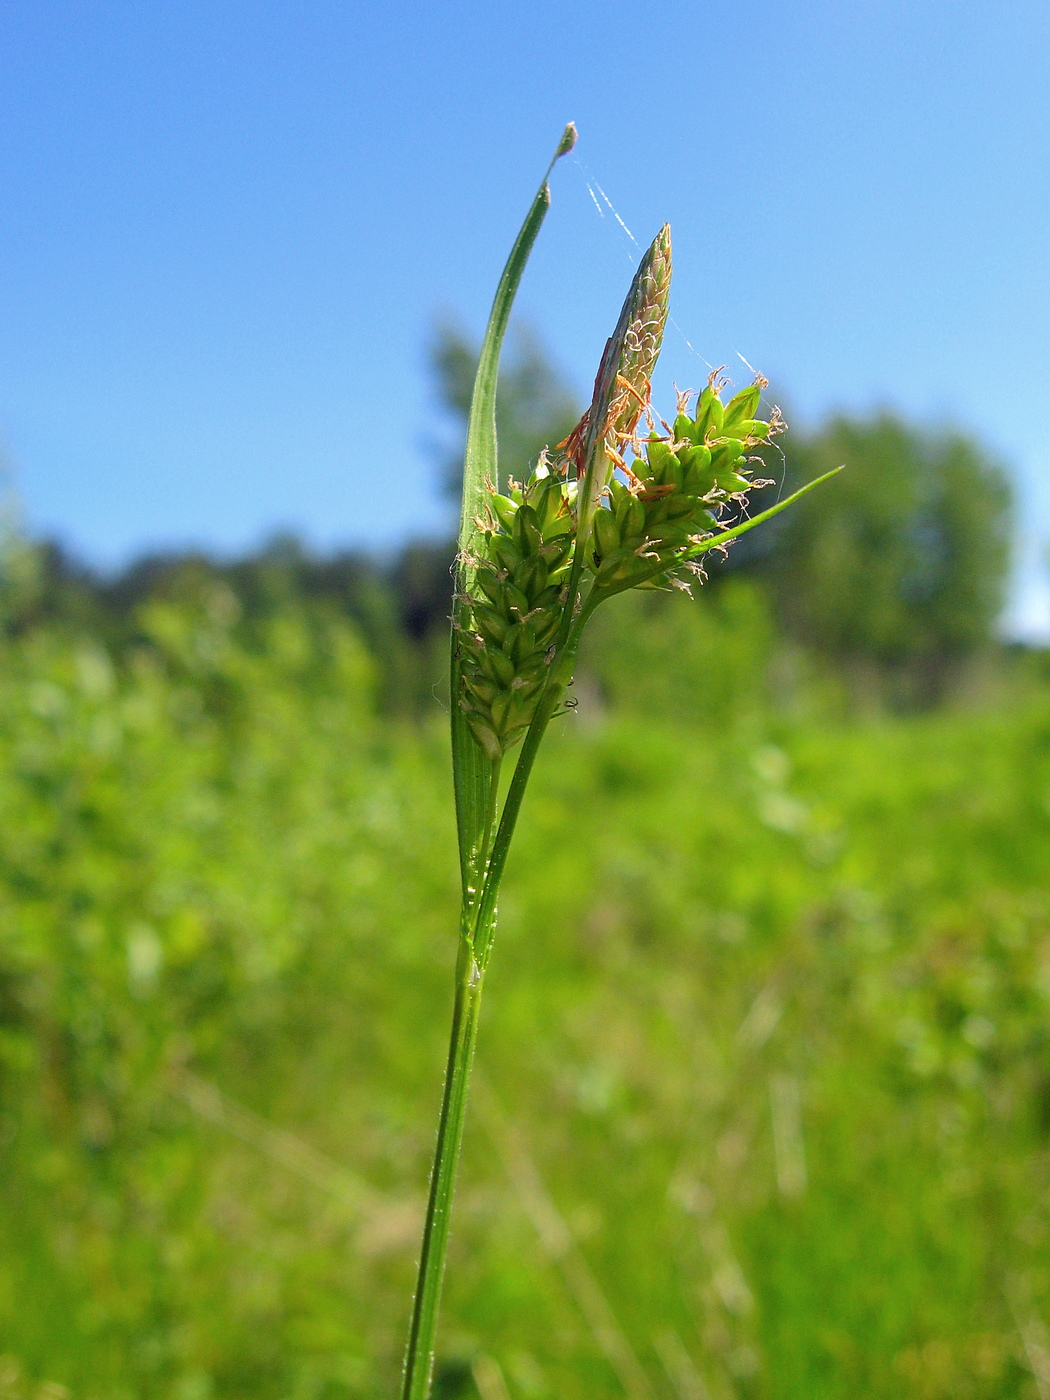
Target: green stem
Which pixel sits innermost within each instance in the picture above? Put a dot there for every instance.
(470, 972)
(419, 1359)
(490, 817)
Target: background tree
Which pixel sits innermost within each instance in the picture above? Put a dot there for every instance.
(902, 565)
(535, 407)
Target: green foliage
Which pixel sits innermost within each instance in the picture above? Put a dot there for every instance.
(129, 937)
(703, 661)
(395, 608)
(768, 1025)
(903, 562)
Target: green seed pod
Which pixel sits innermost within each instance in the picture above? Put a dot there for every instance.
(666, 535)
(556, 551)
(634, 524)
(741, 407)
(499, 708)
(517, 602)
(526, 531)
(709, 416)
(492, 625)
(695, 459)
(635, 571)
(679, 507)
(507, 555)
(606, 535)
(548, 601)
(659, 457)
(546, 628)
(618, 571)
(551, 511)
(486, 735)
(497, 666)
(509, 711)
(685, 430)
(482, 689)
(504, 509)
(531, 578)
(529, 681)
(489, 582)
(725, 456)
(519, 643)
(618, 498)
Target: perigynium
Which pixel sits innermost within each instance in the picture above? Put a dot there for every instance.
(608, 509)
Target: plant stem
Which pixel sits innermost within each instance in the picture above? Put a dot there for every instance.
(470, 972)
(419, 1359)
(490, 818)
(476, 809)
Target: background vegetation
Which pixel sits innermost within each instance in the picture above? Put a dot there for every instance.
(764, 1106)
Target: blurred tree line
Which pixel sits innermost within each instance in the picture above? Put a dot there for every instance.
(891, 579)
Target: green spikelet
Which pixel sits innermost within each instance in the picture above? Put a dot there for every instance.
(634, 347)
(621, 388)
(515, 610)
(680, 492)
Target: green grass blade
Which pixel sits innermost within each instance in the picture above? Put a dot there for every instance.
(746, 525)
(471, 769)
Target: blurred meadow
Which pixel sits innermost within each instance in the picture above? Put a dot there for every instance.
(763, 1096)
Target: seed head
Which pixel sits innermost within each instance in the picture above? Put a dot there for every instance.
(679, 491)
(515, 608)
(621, 387)
(636, 342)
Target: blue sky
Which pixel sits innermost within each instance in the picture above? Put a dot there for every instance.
(226, 230)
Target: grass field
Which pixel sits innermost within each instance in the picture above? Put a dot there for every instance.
(764, 1093)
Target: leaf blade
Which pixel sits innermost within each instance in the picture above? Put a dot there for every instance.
(737, 530)
(471, 770)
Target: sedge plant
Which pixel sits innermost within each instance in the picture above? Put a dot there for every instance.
(608, 509)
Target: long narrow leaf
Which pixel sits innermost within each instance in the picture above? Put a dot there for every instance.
(725, 535)
(471, 769)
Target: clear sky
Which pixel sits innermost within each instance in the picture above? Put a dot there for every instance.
(226, 229)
